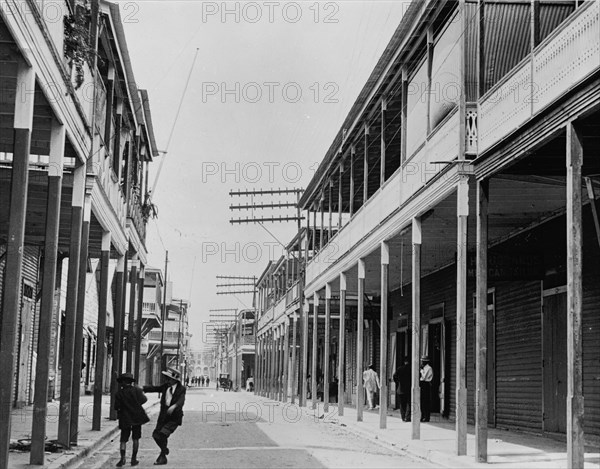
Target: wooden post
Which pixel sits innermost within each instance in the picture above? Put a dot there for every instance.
(66, 374)
(417, 240)
(131, 336)
(322, 232)
(481, 396)
(366, 167)
(138, 329)
(23, 122)
(462, 211)
(352, 157)
(330, 226)
(286, 355)
(340, 201)
(47, 310)
(276, 361)
(101, 340)
(359, 341)
(79, 320)
(403, 132)
(326, 348)
(314, 350)
(575, 439)
(383, 356)
(342, 344)
(383, 140)
(294, 374)
(304, 384)
(116, 346)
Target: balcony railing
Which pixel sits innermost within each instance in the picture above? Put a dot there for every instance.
(563, 59)
(134, 212)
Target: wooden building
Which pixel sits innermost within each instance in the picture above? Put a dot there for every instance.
(455, 216)
(76, 139)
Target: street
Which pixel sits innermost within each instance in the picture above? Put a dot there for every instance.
(229, 429)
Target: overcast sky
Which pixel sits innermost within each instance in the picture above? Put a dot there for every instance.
(270, 87)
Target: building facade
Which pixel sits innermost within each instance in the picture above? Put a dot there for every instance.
(76, 139)
(455, 216)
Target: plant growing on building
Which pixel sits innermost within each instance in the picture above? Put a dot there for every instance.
(77, 45)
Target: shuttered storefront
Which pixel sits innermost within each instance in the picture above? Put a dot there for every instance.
(591, 337)
(519, 355)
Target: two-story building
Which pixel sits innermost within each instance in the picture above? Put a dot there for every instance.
(76, 138)
(458, 206)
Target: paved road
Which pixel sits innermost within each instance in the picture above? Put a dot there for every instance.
(237, 430)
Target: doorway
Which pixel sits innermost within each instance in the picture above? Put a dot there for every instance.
(554, 327)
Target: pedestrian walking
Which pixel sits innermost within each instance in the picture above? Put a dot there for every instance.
(131, 414)
(207, 381)
(171, 411)
(371, 385)
(202, 381)
(426, 377)
(402, 378)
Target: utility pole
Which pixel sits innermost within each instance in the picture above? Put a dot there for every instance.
(164, 316)
(179, 331)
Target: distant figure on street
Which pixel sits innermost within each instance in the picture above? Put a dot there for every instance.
(250, 384)
(131, 414)
(308, 386)
(202, 381)
(426, 377)
(207, 381)
(402, 378)
(371, 385)
(171, 411)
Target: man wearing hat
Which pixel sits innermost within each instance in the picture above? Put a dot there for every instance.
(171, 411)
(128, 404)
(426, 377)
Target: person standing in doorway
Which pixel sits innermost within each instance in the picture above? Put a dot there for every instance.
(131, 414)
(402, 378)
(371, 385)
(171, 411)
(426, 377)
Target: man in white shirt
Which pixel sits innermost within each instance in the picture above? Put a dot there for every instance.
(371, 385)
(426, 377)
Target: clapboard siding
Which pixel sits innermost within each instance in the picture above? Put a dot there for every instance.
(519, 355)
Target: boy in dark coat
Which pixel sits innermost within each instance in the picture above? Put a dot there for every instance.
(128, 404)
(171, 411)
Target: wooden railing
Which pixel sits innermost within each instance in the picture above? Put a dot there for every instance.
(563, 59)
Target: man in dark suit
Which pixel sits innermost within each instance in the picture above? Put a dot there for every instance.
(402, 378)
(171, 411)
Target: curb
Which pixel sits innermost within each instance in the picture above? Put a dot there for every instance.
(69, 460)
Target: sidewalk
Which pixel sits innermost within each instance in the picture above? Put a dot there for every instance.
(506, 449)
(88, 440)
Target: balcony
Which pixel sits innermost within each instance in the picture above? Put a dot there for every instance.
(426, 163)
(564, 59)
(134, 212)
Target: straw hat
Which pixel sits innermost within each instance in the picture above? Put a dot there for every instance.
(172, 373)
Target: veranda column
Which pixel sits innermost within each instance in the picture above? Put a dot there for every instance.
(116, 346)
(101, 350)
(359, 341)
(66, 374)
(278, 362)
(138, 323)
(342, 344)
(575, 439)
(79, 319)
(366, 167)
(326, 348)
(314, 377)
(131, 335)
(481, 395)
(383, 140)
(47, 310)
(273, 349)
(294, 373)
(23, 122)
(304, 384)
(462, 212)
(416, 330)
(383, 356)
(286, 355)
